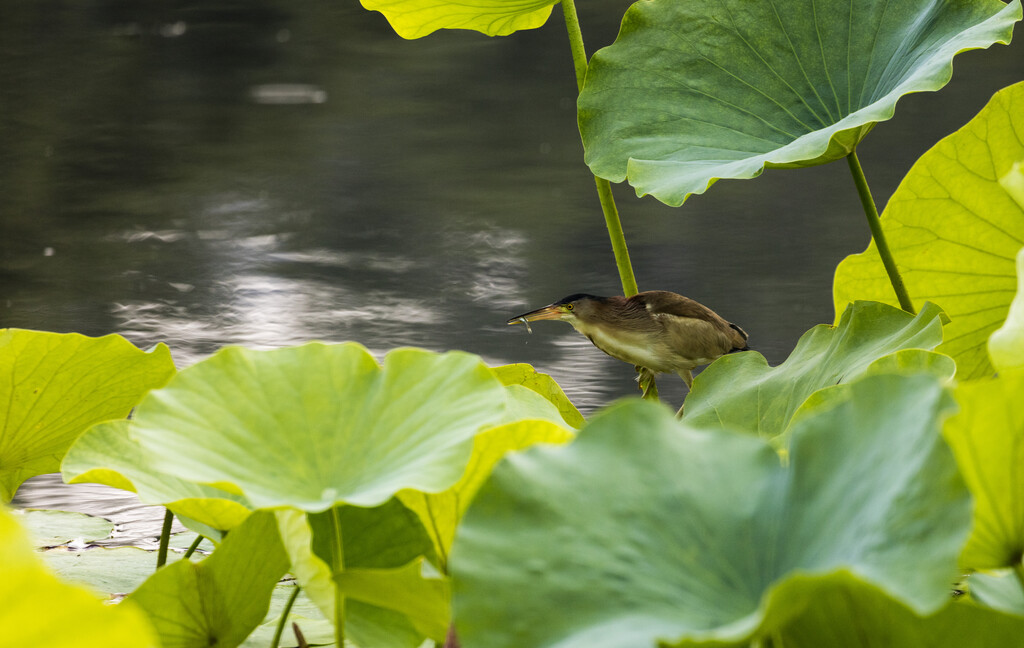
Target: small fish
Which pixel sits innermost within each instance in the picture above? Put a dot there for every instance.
(525, 321)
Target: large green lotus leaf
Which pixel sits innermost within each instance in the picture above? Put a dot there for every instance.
(417, 18)
(38, 609)
(56, 385)
(440, 512)
(220, 600)
(1006, 345)
(108, 454)
(954, 231)
(858, 616)
(526, 376)
(741, 391)
(694, 91)
(324, 547)
(646, 529)
(316, 425)
(987, 437)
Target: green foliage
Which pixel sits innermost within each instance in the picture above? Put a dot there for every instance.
(742, 392)
(648, 529)
(1006, 345)
(108, 454)
(54, 386)
(955, 231)
(694, 91)
(219, 601)
(987, 437)
(53, 528)
(37, 609)
(369, 559)
(317, 425)
(417, 18)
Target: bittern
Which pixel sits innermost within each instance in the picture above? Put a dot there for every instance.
(658, 331)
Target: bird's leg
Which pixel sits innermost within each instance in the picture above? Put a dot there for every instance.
(648, 388)
(687, 377)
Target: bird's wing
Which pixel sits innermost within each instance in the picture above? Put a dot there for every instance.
(664, 303)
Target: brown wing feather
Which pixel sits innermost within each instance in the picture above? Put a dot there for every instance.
(663, 302)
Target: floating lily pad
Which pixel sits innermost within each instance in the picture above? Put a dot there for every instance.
(55, 385)
(52, 528)
(955, 231)
(742, 392)
(694, 91)
(112, 571)
(645, 530)
(38, 609)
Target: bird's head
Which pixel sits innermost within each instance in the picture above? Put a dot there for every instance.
(577, 308)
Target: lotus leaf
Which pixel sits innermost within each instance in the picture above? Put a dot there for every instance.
(316, 425)
(645, 529)
(955, 232)
(108, 454)
(324, 547)
(1000, 590)
(1006, 345)
(742, 392)
(526, 376)
(417, 18)
(859, 616)
(220, 600)
(111, 453)
(53, 528)
(37, 609)
(57, 385)
(441, 512)
(113, 571)
(987, 437)
(694, 91)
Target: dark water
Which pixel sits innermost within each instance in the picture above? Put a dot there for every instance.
(268, 173)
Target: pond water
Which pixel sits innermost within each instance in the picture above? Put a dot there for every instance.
(268, 173)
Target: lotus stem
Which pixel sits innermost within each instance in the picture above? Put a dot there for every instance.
(604, 188)
(338, 568)
(192, 547)
(279, 630)
(878, 234)
(165, 539)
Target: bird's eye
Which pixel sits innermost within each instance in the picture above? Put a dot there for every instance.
(568, 307)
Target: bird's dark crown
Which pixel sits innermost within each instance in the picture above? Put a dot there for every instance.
(577, 297)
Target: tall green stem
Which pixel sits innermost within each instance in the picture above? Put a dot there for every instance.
(165, 539)
(878, 234)
(279, 630)
(338, 567)
(604, 188)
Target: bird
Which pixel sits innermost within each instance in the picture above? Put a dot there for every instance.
(657, 331)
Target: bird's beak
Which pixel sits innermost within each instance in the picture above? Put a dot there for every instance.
(551, 312)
